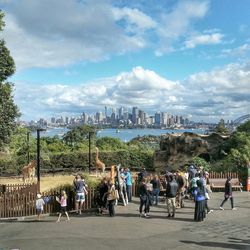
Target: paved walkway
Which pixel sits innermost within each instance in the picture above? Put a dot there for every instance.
(221, 230)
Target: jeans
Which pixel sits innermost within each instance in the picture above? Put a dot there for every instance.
(144, 201)
(111, 206)
(129, 192)
(226, 198)
(156, 192)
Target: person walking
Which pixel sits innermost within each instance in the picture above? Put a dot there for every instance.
(171, 191)
(180, 192)
(144, 198)
(205, 181)
(228, 194)
(39, 206)
(63, 205)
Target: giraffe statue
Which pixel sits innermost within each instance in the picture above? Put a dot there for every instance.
(98, 163)
(29, 171)
(112, 173)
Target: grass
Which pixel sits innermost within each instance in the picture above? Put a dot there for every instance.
(51, 182)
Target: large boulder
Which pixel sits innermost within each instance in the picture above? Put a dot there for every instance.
(178, 149)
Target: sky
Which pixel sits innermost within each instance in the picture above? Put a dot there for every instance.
(186, 57)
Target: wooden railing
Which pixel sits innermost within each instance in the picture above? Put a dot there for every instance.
(17, 200)
(20, 200)
(222, 175)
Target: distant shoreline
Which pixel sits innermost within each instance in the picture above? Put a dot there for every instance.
(123, 134)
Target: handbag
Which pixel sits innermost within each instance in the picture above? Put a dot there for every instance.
(207, 196)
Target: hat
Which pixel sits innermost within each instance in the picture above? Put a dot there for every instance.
(38, 196)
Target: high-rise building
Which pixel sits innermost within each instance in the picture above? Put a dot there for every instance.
(157, 118)
(67, 120)
(135, 115)
(85, 118)
(164, 118)
(106, 112)
(142, 117)
(99, 117)
(121, 113)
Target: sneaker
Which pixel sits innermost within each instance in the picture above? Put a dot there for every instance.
(210, 211)
(169, 215)
(221, 208)
(234, 208)
(146, 215)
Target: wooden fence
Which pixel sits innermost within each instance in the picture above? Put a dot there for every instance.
(20, 188)
(20, 200)
(222, 175)
(17, 200)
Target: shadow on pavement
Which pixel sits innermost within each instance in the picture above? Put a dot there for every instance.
(218, 244)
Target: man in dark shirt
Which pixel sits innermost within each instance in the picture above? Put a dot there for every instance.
(171, 191)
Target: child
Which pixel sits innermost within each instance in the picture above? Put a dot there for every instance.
(63, 203)
(39, 206)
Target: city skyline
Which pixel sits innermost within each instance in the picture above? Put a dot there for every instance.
(127, 117)
(190, 58)
(115, 116)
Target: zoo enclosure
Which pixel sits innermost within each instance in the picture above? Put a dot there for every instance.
(18, 200)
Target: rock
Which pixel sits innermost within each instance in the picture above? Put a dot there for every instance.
(178, 149)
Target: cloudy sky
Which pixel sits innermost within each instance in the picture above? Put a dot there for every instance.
(188, 57)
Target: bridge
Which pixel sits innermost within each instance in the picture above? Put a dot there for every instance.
(241, 119)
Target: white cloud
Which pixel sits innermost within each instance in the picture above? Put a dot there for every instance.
(243, 28)
(222, 92)
(39, 36)
(52, 34)
(178, 23)
(137, 20)
(239, 51)
(204, 39)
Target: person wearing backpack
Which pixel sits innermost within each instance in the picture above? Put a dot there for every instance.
(111, 197)
(171, 191)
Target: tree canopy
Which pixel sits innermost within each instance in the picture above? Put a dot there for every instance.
(245, 127)
(221, 128)
(8, 109)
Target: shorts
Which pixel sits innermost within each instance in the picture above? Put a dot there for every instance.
(39, 210)
(80, 197)
(63, 209)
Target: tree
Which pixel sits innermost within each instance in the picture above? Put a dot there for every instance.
(78, 135)
(245, 127)
(221, 128)
(109, 143)
(8, 109)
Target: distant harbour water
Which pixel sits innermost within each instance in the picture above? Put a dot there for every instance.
(123, 134)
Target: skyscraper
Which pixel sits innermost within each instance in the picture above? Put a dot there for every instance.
(135, 114)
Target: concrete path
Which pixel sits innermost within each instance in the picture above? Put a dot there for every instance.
(221, 230)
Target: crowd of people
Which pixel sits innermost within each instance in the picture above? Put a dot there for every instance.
(176, 186)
